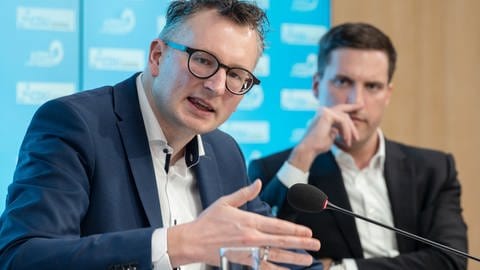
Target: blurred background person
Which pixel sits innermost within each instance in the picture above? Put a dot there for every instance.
(345, 154)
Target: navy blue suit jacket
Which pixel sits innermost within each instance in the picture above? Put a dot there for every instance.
(84, 193)
(424, 193)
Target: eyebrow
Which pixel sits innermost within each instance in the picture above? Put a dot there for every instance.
(349, 79)
(343, 77)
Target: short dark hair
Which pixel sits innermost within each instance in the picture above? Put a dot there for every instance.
(355, 36)
(243, 13)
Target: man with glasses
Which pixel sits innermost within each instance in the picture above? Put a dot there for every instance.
(136, 175)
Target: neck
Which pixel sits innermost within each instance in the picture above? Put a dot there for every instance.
(363, 152)
(176, 137)
(177, 140)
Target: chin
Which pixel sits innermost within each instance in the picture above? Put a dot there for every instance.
(199, 125)
(202, 129)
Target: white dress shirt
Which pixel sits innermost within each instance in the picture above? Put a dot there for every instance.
(177, 189)
(368, 196)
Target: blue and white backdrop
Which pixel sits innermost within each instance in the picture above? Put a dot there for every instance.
(52, 48)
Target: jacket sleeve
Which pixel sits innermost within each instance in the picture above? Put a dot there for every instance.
(273, 191)
(41, 226)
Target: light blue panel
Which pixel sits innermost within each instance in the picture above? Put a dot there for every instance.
(273, 116)
(117, 35)
(40, 56)
(52, 48)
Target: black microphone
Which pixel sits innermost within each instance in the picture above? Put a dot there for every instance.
(308, 198)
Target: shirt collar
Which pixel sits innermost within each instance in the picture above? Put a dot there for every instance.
(376, 162)
(193, 150)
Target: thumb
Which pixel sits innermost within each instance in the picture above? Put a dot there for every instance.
(243, 195)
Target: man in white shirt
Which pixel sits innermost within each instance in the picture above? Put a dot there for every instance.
(345, 154)
(136, 175)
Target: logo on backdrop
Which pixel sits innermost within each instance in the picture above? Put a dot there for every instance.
(248, 131)
(116, 59)
(48, 19)
(298, 100)
(301, 34)
(47, 58)
(263, 66)
(252, 100)
(120, 26)
(304, 5)
(296, 135)
(305, 69)
(34, 93)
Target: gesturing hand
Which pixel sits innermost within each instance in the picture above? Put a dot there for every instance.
(223, 224)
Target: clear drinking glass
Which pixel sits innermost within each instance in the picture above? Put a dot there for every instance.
(240, 258)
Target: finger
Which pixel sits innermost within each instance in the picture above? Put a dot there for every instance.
(243, 195)
(347, 107)
(326, 262)
(334, 132)
(352, 130)
(290, 257)
(289, 242)
(279, 233)
(277, 226)
(347, 129)
(284, 234)
(355, 134)
(345, 126)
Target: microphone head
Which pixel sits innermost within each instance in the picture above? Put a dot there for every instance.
(307, 198)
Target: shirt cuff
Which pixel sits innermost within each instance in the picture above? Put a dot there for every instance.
(160, 259)
(290, 175)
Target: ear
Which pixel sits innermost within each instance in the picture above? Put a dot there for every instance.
(157, 48)
(316, 84)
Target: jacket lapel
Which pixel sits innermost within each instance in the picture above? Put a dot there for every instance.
(210, 187)
(326, 175)
(132, 131)
(399, 176)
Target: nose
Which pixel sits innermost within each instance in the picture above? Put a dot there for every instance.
(355, 96)
(217, 82)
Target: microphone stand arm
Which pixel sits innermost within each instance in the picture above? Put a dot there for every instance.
(402, 232)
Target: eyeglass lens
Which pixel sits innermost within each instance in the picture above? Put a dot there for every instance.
(204, 65)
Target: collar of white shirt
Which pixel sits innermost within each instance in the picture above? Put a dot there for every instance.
(377, 162)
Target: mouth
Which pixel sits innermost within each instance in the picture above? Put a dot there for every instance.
(200, 104)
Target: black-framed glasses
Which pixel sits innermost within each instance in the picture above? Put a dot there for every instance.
(204, 65)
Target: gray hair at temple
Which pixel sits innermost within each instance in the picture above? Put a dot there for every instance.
(355, 36)
(244, 13)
